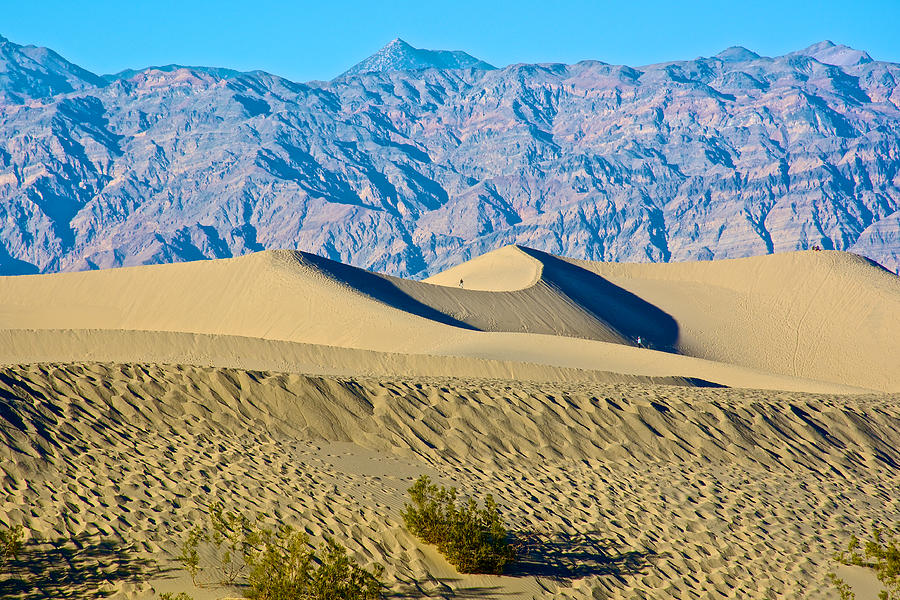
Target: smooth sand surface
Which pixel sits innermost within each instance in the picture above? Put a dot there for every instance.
(785, 313)
(316, 393)
(826, 318)
(516, 356)
(166, 347)
(507, 269)
(621, 490)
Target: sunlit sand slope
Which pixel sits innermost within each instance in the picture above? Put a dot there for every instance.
(517, 356)
(801, 321)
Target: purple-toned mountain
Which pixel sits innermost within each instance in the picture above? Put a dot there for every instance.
(408, 172)
(29, 72)
(400, 56)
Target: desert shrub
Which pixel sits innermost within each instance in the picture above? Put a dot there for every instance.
(285, 567)
(280, 564)
(229, 534)
(338, 576)
(178, 596)
(232, 535)
(10, 543)
(472, 539)
(880, 554)
(842, 587)
(190, 556)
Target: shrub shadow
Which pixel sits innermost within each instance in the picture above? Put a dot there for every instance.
(553, 556)
(415, 590)
(573, 556)
(84, 567)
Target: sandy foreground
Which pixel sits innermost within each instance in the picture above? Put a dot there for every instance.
(316, 393)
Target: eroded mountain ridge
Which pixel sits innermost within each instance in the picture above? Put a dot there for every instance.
(411, 171)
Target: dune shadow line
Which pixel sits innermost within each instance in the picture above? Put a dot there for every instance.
(558, 556)
(381, 289)
(418, 590)
(626, 313)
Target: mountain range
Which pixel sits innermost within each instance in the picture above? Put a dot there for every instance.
(415, 160)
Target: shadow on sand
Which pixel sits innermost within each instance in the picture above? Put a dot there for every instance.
(85, 567)
(628, 314)
(573, 556)
(380, 288)
(446, 590)
(553, 556)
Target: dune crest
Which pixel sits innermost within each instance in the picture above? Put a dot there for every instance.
(507, 269)
(827, 317)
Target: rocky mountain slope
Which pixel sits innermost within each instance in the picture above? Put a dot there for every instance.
(400, 56)
(410, 171)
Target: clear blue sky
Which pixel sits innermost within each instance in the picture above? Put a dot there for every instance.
(317, 40)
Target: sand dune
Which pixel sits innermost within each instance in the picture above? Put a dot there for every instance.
(821, 315)
(521, 357)
(831, 316)
(162, 347)
(316, 392)
(791, 322)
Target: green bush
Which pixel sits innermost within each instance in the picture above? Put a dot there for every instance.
(10, 543)
(190, 556)
(232, 535)
(283, 566)
(881, 555)
(229, 534)
(472, 539)
(280, 564)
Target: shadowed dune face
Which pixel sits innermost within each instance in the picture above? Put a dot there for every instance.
(612, 490)
(631, 316)
(824, 315)
(827, 316)
(380, 288)
(537, 308)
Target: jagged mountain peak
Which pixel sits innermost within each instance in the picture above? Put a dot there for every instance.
(737, 54)
(595, 161)
(398, 55)
(818, 47)
(829, 53)
(28, 72)
(397, 42)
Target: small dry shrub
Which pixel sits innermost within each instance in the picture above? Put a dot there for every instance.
(229, 535)
(10, 543)
(881, 554)
(279, 564)
(472, 539)
(284, 566)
